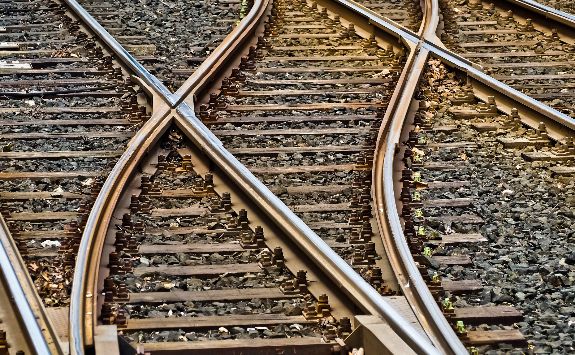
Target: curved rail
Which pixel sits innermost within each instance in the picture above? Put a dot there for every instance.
(85, 282)
(413, 286)
(40, 333)
(82, 311)
(84, 286)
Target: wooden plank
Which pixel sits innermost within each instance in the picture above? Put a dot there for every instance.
(524, 64)
(38, 175)
(78, 135)
(547, 156)
(292, 70)
(434, 185)
(449, 145)
(178, 212)
(308, 35)
(458, 287)
(458, 238)
(80, 122)
(290, 132)
(279, 118)
(488, 314)
(229, 320)
(321, 207)
(563, 170)
(62, 154)
(312, 92)
(44, 195)
(448, 202)
(39, 234)
(464, 218)
(190, 248)
(294, 345)
(521, 142)
(316, 48)
(487, 337)
(302, 169)
(505, 44)
(199, 270)
(209, 295)
(513, 54)
(58, 110)
(278, 150)
(187, 230)
(346, 81)
(452, 259)
(454, 165)
(305, 107)
(308, 189)
(321, 58)
(43, 216)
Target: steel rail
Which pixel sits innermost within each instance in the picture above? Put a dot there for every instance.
(223, 53)
(154, 128)
(384, 180)
(40, 333)
(465, 65)
(83, 311)
(120, 52)
(547, 11)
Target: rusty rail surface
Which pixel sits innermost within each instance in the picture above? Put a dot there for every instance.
(41, 337)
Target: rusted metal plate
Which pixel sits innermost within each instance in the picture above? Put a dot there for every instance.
(488, 314)
(210, 295)
(230, 320)
(199, 270)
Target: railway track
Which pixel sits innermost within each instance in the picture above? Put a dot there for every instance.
(160, 36)
(67, 112)
(320, 200)
(521, 49)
